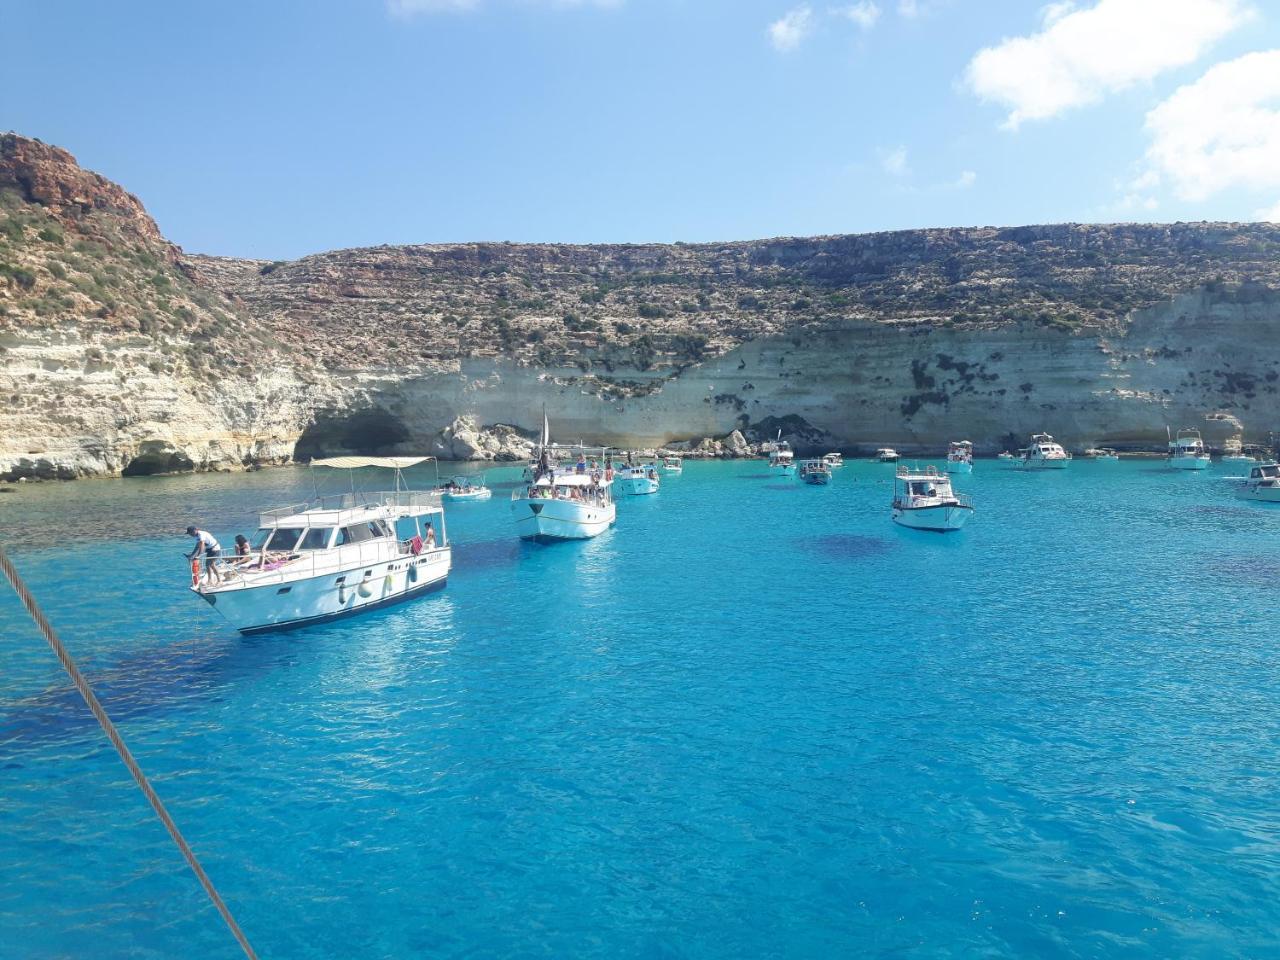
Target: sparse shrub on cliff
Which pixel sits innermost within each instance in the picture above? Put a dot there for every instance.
(21, 276)
(651, 311)
(271, 267)
(51, 235)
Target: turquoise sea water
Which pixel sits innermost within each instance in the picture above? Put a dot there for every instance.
(754, 719)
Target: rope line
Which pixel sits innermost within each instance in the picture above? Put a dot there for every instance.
(113, 735)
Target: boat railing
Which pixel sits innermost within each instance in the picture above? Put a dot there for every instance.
(279, 566)
(395, 499)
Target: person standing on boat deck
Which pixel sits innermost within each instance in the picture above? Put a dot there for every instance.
(207, 545)
(430, 537)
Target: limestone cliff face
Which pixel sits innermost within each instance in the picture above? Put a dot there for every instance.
(120, 353)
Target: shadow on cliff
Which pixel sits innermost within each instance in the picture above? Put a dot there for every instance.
(372, 431)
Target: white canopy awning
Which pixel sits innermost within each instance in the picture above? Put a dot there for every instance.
(353, 463)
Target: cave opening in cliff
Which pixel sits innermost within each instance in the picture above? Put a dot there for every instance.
(370, 432)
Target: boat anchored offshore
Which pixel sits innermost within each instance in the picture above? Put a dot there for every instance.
(1262, 484)
(781, 456)
(462, 490)
(672, 465)
(573, 503)
(1101, 453)
(816, 472)
(960, 457)
(924, 500)
(1234, 451)
(333, 557)
(636, 480)
(1045, 454)
(887, 455)
(1187, 452)
(833, 459)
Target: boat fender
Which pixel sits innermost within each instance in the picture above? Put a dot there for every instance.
(195, 572)
(366, 586)
(388, 583)
(413, 573)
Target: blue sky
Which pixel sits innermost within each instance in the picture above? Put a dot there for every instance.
(277, 129)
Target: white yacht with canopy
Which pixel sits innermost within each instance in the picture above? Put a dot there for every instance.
(570, 500)
(334, 556)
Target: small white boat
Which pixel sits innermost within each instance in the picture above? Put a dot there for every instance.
(1101, 453)
(462, 490)
(333, 557)
(781, 456)
(960, 457)
(672, 465)
(816, 472)
(1187, 452)
(924, 500)
(1005, 455)
(1045, 454)
(636, 481)
(833, 459)
(563, 506)
(1262, 484)
(887, 455)
(1233, 451)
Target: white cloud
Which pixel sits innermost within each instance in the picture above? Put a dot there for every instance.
(788, 32)
(909, 9)
(1080, 56)
(1269, 214)
(1220, 132)
(409, 8)
(894, 161)
(966, 179)
(864, 14)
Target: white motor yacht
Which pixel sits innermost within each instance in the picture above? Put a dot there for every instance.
(564, 505)
(781, 456)
(815, 472)
(960, 457)
(333, 557)
(1262, 484)
(672, 464)
(1101, 453)
(636, 480)
(833, 459)
(923, 500)
(1187, 451)
(1234, 451)
(1045, 454)
(887, 455)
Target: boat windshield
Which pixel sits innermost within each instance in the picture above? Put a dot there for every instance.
(317, 538)
(284, 538)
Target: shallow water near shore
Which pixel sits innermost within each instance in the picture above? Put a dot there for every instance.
(754, 719)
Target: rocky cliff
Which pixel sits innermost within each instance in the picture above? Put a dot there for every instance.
(121, 353)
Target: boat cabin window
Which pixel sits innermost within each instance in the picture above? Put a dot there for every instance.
(406, 528)
(356, 533)
(317, 538)
(284, 538)
(261, 537)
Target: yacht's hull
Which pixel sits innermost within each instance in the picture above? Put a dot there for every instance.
(550, 521)
(817, 479)
(959, 466)
(636, 486)
(1258, 493)
(287, 604)
(1188, 463)
(1039, 464)
(942, 518)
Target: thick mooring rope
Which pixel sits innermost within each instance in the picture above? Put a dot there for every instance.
(113, 735)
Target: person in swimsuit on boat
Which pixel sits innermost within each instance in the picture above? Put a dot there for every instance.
(208, 547)
(430, 538)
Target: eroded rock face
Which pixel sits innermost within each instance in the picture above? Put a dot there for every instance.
(120, 353)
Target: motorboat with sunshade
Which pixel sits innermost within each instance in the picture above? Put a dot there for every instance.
(887, 455)
(833, 459)
(923, 500)
(960, 456)
(1187, 451)
(334, 556)
(1234, 451)
(815, 472)
(1101, 453)
(1044, 453)
(671, 464)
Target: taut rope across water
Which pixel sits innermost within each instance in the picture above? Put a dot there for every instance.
(109, 728)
